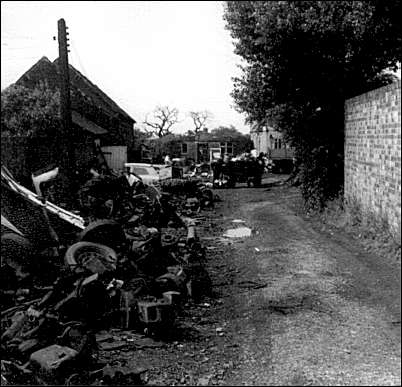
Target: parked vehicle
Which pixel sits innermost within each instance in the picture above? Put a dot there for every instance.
(150, 173)
(248, 171)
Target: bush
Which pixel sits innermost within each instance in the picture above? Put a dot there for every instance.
(321, 178)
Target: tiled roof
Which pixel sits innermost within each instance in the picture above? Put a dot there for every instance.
(47, 71)
(86, 124)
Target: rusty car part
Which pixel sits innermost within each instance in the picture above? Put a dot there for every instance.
(93, 257)
(68, 216)
(155, 312)
(106, 232)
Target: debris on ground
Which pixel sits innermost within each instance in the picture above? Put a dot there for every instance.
(239, 232)
(130, 261)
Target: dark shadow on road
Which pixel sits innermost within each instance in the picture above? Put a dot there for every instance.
(243, 186)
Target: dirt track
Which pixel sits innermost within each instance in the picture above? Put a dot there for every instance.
(292, 305)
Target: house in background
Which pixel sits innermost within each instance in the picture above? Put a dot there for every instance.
(270, 141)
(201, 147)
(206, 147)
(97, 120)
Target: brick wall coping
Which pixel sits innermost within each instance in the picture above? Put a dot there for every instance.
(370, 94)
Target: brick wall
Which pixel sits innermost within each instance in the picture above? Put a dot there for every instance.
(373, 154)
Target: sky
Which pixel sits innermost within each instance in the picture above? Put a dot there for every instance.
(141, 54)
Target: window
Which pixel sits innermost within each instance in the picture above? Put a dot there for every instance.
(229, 148)
(140, 171)
(276, 144)
(184, 148)
(279, 143)
(226, 148)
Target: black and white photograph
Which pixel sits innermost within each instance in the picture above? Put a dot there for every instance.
(201, 193)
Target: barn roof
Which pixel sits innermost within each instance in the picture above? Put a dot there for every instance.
(46, 71)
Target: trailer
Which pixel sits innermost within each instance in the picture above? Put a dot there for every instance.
(248, 171)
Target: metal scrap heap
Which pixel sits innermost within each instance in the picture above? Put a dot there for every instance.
(130, 259)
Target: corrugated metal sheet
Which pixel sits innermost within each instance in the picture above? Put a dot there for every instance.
(116, 156)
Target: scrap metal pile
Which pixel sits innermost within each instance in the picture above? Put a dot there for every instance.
(132, 262)
(189, 195)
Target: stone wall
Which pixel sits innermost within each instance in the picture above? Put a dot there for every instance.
(373, 154)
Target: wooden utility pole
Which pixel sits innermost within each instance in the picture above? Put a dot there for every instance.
(66, 138)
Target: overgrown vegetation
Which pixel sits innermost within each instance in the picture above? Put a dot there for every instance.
(241, 142)
(30, 130)
(302, 59)
(374, 234)
(29, 112)
(347, 218)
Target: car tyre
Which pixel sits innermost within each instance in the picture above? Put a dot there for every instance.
(93, 257)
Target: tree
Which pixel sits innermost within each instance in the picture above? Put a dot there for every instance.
(163, 119)
(29, 112)
(241, 142)
(303, 59)
(200, 118)
(30, 130)
(169, 144)
(226, 132)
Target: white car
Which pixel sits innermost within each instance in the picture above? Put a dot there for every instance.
(150, 173)
(164, 171)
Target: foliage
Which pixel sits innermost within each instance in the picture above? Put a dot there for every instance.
(166, 145)
(163, 118)
(373, 231)
(30, 126)
(140, 136)
(302, 60)
(29, 112)
(226, 132)
(241, 142)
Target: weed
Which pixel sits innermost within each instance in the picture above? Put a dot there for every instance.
(374, 231)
